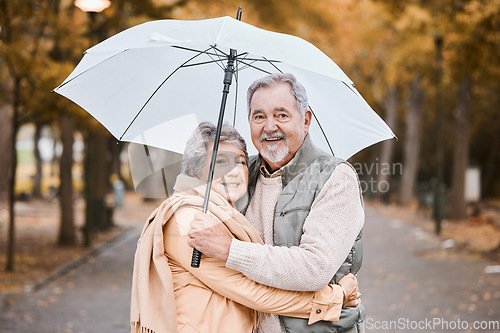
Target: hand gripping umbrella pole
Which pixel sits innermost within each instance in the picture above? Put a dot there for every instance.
(228, 78)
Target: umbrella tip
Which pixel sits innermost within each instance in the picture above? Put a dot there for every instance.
(238, 15)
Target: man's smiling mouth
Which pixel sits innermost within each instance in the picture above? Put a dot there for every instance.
(272, 137)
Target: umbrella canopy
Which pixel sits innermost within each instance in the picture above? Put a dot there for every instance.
(147, 84)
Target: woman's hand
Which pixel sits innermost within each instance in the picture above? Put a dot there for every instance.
(350, 284)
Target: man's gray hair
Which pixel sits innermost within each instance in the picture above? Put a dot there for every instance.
(297, 90)
(195, 153)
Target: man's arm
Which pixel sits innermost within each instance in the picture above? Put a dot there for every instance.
(335, 219)
(329, 231)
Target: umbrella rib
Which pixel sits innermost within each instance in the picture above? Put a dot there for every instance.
(263, 60)
(350, 88)
(216, 54)
(190, 49)
(271, 63)
(218, 62)
(322, 131)
(245, 54)
(252, 66)
(85, 71)
(219, 50)
(242, 55)
(154, 93)
(202, 63)
(209, 54)
(243, 58)
(199, 51)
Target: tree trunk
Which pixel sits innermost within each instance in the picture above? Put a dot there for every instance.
(414, 105)
(5, 148)
(9, 265)
(96, 182)
(37, 180)
(67, 231)
(458, 205)
(387, 147)
(490, 171)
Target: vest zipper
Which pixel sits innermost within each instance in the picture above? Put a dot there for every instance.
(283, 213)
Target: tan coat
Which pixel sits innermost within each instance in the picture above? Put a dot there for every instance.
(213, 298)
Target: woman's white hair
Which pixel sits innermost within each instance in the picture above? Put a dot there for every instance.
(195, 153)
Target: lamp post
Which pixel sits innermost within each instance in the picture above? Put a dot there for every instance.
(96, 145)
(92, 7)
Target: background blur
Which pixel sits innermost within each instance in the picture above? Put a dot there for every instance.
(430, 69)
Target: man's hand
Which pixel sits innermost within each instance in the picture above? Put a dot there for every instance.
(209, 237)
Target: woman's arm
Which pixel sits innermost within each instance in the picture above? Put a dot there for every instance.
(324, 304)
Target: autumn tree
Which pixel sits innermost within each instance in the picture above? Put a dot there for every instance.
(472, 42)
(23, 25)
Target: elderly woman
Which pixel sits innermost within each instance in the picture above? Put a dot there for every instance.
(168, 295)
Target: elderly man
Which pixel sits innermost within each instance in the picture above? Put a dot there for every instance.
(306, 204)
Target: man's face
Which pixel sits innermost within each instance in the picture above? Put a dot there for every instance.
(277, 128)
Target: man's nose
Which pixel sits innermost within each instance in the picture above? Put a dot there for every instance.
(271, 125)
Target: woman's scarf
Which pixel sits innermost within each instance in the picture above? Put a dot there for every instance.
(153, 302)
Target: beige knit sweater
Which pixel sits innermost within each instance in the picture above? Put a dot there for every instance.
(335, 220)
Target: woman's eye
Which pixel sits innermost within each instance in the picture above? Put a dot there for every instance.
(221, 161)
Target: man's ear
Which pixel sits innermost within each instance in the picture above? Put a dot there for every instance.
(307, 120)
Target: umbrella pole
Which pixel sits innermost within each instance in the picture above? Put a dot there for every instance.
(228, 78)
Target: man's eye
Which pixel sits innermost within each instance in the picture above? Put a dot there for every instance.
(282, 115)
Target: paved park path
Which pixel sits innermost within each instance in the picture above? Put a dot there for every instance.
(402, 290)
(407, 286)
(94, 297)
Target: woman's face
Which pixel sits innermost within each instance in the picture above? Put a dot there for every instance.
(231, 171)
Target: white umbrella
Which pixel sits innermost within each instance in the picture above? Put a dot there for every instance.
(157, 71)
(140, 82)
